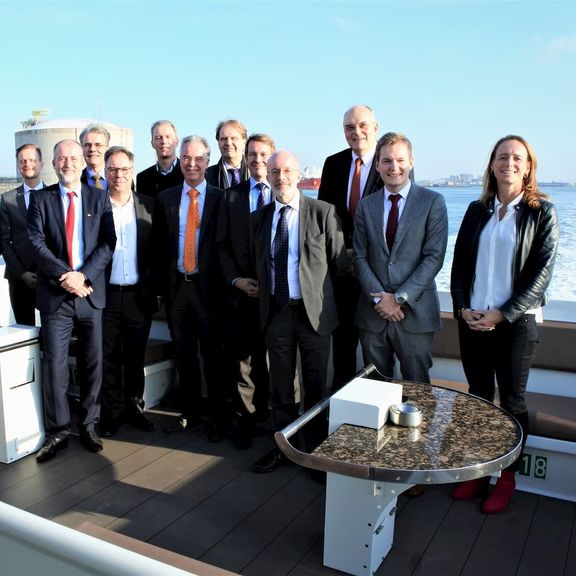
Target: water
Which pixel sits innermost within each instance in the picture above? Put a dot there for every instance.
(562, 286)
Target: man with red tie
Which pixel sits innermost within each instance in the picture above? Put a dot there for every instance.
(400, 238)
(72, 234)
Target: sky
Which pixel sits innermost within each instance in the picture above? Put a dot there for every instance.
(453, 75)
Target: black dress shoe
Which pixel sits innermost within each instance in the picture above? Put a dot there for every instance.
(51, 446)
(180, 426)
(269, 463)
(139, 420)
(215, 431)
(91, 441)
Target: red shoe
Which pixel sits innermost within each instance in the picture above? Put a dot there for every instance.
(500, 498)
(471, 488)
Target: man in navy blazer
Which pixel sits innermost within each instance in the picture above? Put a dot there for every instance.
(71, 229)
(397, 255)
(360, 130)
(20, 268)
(192, 286)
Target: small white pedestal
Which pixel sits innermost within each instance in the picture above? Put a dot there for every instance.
(359, 525)
(21, 413)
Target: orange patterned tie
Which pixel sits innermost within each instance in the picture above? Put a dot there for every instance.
(192, 224)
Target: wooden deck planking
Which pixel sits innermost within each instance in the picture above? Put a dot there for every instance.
(200, 499)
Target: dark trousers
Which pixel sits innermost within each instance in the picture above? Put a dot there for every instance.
(78, 315)
(288, 331)
(23, 300)
(345, 337)
(502, 356)
(193, 330)
(126, 327)
(247, 352)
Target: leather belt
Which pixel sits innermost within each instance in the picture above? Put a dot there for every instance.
(123, 287)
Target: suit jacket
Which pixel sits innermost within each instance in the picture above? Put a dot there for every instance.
(322, 257)
(234, 233)
(16, 246)
(167, 224)
(145, 253)
(410, 268)
(334, 187)
(150, 182)
(217, 176)
(46, 228)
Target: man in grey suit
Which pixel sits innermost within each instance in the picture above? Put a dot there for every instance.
(298, 248)
(20, 267)
(400, 240)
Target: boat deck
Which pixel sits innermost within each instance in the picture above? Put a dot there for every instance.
(199, 499)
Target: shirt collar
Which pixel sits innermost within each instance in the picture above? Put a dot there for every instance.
(294, 204)
(170, 168)
(403, 192)
(367, 158)
(64, 191)
(201, 188)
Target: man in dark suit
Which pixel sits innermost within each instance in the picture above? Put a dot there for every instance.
(245, 341)
(95, 140)
(130, 301)
(231, 169)
(298, 249)
(193, 288)
(71, 229)
(20, 268)
(166, 173)
(399, 245)
(347, 177)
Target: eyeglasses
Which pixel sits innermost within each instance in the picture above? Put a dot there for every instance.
(286, 171)
(122, 171)
(197, 159)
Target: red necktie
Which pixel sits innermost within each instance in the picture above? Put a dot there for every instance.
(355, 188)
(70, 226)
(392, 223)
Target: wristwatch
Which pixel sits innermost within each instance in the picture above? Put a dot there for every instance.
(399, 299)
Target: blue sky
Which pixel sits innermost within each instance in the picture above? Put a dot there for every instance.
(453, 75)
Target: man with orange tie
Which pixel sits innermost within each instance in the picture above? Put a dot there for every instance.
(71, 230)
(193, 287)
(400, 239)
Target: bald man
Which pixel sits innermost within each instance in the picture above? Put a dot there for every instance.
(298, 249)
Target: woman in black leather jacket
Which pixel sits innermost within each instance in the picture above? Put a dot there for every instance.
(503, 261)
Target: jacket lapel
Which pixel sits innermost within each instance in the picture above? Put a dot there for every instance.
(408, 214)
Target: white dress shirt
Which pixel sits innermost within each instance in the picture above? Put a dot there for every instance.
(401, 203)
(78, 236)
(125, 257)
(364, 171)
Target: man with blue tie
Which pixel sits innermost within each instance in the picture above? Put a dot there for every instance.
(298, 250)
(245, 341)
(72, 234)
(17, 250)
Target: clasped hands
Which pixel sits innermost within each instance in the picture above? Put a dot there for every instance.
(388, 308)
(482, 320)
(248, 286)
(75, 283)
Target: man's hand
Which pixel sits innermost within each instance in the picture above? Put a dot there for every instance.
(248, 286)
(29, 280)
(75, 283)
(482, 320)
(387, 308)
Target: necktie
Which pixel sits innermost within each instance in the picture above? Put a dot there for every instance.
(70, 227)
(192, 224)
(281, 290)
(261, 200)
(98, 181)
(355, 188)
(234, 176)
(392, 223)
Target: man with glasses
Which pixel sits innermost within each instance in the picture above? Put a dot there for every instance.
(95, 140)
(298, 250)
(192, 286)
(130, 299)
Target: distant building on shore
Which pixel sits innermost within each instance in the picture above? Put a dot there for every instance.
(47, 133)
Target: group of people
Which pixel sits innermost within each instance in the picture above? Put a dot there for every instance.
(252, 272)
